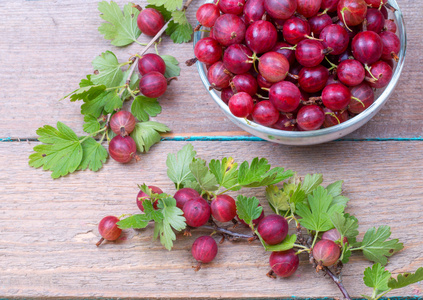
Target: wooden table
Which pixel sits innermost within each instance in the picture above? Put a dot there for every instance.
(49, 227)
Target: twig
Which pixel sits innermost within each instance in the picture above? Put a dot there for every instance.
(338, 282)
(227, 232)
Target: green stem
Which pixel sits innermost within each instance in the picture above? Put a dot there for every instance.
(383, 294)
(355, 249)
(125, 63)
(139, 43)
(93, 134)
(315, 239)
(302, 247)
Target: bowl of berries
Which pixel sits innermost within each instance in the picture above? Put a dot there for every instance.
(300, 72)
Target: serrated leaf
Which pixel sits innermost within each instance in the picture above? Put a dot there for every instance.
(143, 108)
(406, 279)
(346, 225)
(226, 172)
(172, 218)
(346, 254)
(61, 151)
(277, 199)
(178, 166)
(193, 185)
(180, 17)
(340, 200)
(287, 243)
(248, 209)
(146, 134)
(202, 174)
(335, 189)
(150, 212)
(172, 68)
(122, 28)
(136, 221)
(311, 182)
(377, 278)
(170, 5)
(180, 33)
(316, 214)
(85, 93)
(376, 247)
(108, 68)
(259, 174)
(167, 15)
(94, 155)
(91, 124)
(105, 102)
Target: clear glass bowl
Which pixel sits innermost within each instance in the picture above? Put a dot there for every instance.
(300, 138)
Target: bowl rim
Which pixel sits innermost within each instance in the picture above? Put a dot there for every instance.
(367, 114)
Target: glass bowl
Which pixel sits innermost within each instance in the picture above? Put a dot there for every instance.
(301, 138)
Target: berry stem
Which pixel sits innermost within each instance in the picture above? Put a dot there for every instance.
(99, 242)
(227, 232)
(338, 282)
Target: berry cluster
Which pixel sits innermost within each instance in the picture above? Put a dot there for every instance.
(298, 64)
(153, 84)
(325, 235)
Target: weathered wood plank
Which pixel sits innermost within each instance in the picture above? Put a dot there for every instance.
(49, 227)
(47, 48)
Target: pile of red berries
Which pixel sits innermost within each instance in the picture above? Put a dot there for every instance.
(273, 229)
(298, 64)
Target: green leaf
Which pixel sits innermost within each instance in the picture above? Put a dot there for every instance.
(109, 70)
(146, 134)
(105, 102)
(178, 166)
(346, 225)
(346, 254)
(311, 182)
(259, 173)
(152, 214)
(143, 108)
(335, 189)
(85, 93)
(377, 278)
(180, 33)
(180, 17)
(94, 155)
(248, 209)
(376, 247)
(225, 172)
(172, 218)
(167, 15)
(170, 5)
(278, 200)
(61, 151)
(136, 221)
(287, 243)
(91, 124)
(204, 177)
(193, 185)
(406, 279)
(172, 68)
(317, 214)
(122, 29)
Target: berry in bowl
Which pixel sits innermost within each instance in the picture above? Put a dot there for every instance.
(300, 72)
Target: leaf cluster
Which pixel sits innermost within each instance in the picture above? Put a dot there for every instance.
(382, 282)
(185, 170)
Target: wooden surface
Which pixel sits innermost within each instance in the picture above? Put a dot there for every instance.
(48, 228)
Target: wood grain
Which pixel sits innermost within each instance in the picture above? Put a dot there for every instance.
(48, 46)
(49, 227)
